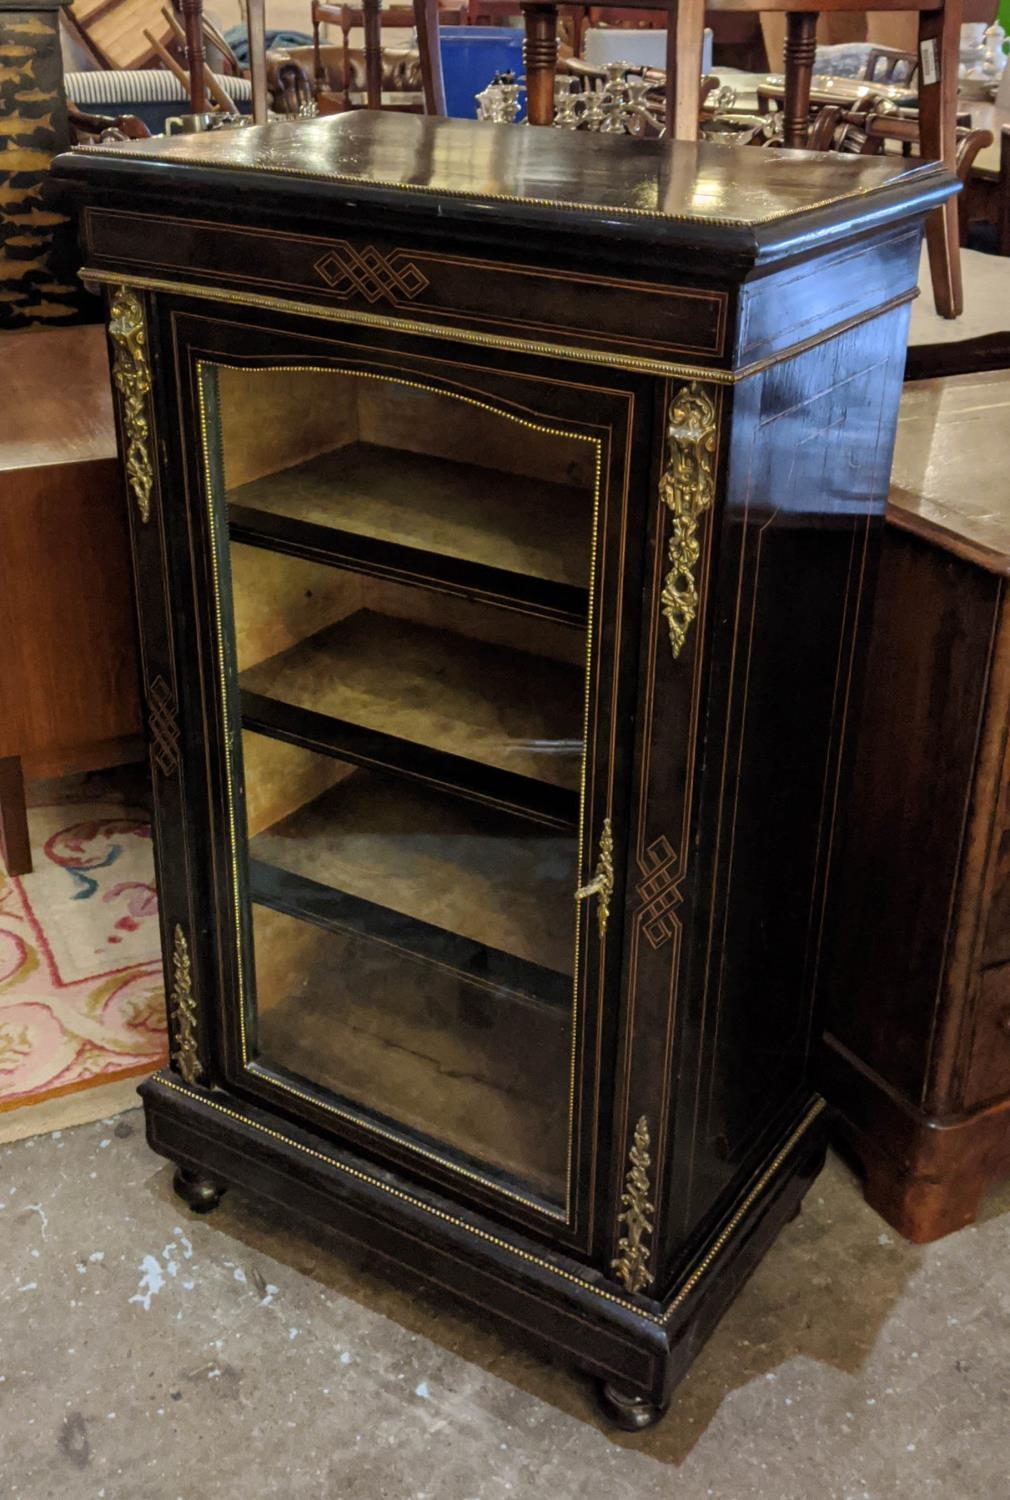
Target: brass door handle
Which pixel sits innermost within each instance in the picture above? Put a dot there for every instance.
(602, 883)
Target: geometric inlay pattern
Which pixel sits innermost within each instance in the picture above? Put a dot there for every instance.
(371, 274)
(163, 726)
(659, 891)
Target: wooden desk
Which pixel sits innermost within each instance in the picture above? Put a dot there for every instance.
(917, 1045)
(68, 690)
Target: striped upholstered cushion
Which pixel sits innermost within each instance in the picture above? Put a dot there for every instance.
(145, 86)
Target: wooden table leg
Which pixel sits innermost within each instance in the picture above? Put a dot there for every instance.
(939, 45)
(540, 57)
(373, 53)
(684, 43)
(15, 847)
(801, 46)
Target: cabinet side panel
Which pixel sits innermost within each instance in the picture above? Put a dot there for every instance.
(792, 575)
(896, 871)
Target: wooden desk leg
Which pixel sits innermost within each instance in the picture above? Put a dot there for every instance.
(684, 43)
(939, 46)
(801, 45)
(373, 53)
(426, 20)
(15, 848)
(540, 57)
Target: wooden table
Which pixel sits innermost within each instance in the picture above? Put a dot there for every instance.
(68, 688)
(917, 973)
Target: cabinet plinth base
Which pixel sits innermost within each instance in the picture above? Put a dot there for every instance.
(636, 1347)
(198, 1191)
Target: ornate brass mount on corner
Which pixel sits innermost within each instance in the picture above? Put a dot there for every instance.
(687, 489)
(632, 1262)
(602, 883)
(182, 1012)
(132, 378)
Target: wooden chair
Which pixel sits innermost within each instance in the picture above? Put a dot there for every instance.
(890, 65)
(939, 45)
(869, 132)
(424, 14)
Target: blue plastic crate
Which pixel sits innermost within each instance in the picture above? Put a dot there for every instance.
(471, 56)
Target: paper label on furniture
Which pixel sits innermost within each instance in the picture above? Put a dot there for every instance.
(929, 61)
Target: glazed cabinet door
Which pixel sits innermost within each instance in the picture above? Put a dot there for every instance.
(411, 572)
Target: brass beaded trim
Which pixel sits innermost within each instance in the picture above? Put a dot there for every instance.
(607, 212)
(703, 1266)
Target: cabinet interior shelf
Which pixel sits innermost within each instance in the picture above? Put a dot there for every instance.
(297, 896)
(481, 719)
(489, 878)
(505, 538)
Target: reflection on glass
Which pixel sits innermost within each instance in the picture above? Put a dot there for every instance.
(411, 757)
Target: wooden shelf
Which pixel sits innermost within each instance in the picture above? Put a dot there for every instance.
(498, 725)
(473, 1070)
(499, 881)
(502, 537)
(527, 984)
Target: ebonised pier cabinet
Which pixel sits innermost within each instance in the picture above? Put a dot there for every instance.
(504, 513)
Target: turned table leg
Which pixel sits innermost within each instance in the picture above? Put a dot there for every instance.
(196, 56)
(801, 46)
(540, 56)
(15, 847)
(373, 54)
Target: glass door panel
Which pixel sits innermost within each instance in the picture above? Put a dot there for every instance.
(411, 596)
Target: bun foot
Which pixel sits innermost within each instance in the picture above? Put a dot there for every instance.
(198, 1191)
(626, 1409)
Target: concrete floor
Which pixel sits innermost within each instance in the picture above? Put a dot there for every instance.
(146, 1354)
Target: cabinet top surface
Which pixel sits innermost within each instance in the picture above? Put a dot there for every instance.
(950, 482)
(473, 164)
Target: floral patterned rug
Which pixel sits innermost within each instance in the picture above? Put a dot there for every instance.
(81, 989)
